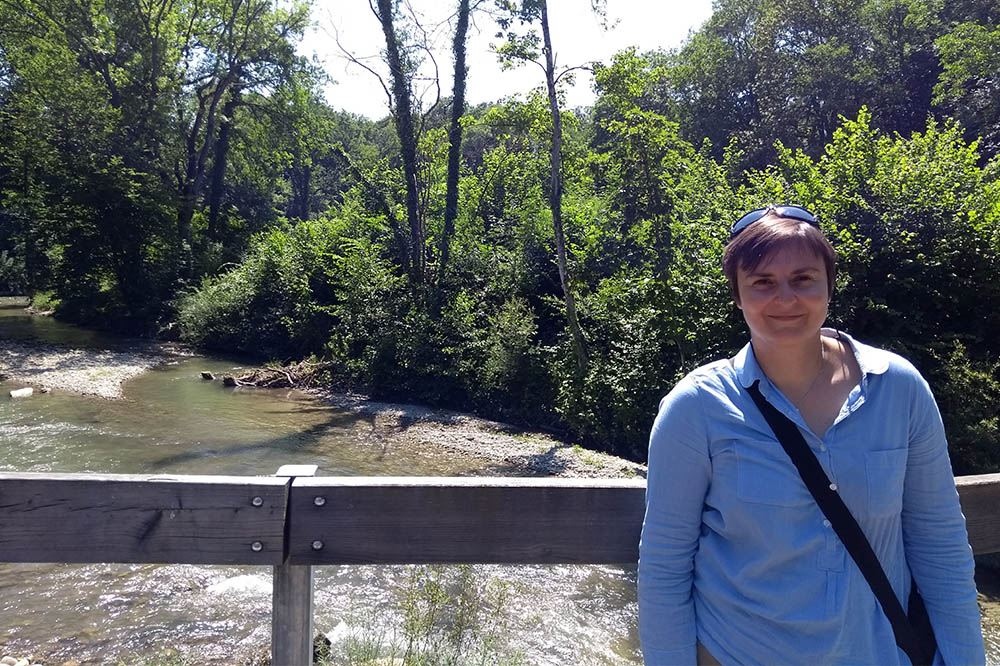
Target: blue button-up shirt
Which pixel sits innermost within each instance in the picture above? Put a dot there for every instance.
(735, 552)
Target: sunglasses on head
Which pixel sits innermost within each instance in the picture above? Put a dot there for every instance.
(794, 212)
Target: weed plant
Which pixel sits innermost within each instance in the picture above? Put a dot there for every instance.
(444, 616)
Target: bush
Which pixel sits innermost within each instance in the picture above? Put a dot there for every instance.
(276, 303)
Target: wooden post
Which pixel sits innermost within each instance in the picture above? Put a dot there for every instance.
(292, 616)
(292, 599)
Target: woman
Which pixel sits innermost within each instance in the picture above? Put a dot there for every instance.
(737, 563)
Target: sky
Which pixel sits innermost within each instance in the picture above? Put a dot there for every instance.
(577, 38)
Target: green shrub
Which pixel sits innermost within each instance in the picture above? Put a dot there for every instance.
(276, 302)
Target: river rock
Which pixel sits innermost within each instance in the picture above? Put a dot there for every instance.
(70, 662)
(229, 380)
(22, 392)
(8, 661)
(207, 376)
(22, 662)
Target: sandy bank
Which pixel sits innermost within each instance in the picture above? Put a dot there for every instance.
(99, 372)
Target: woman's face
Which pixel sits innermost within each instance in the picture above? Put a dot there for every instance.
(785, 298)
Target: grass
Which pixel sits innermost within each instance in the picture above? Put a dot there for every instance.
(442, 616)
(588, 457)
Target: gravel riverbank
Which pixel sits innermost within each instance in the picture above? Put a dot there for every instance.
(99, 372)
(506, 450)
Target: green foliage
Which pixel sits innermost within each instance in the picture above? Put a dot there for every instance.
(968, 86)
(276, 302)
(112, 115)
(914, 221)
(765, 70)
(137, 152)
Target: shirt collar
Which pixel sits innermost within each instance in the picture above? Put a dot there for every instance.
(871, 360)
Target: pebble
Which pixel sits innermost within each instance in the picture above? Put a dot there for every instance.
(11, 661)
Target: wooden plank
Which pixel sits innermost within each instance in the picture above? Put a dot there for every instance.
(980, 496)
(292, 616)
(213, 520)
(383, 520)
(132, 518)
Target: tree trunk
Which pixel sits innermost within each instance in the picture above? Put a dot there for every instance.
(218, 185)
(454, 136)
(402, 115)
(555, 197)
(191, 180)
(301, 180)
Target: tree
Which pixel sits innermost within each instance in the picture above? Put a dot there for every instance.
(969, 84)
(229, 47)
(761, 71)
(409, 47)
(527, 48)
(454, 135)
(130, 102)
(87, 184)
(400, 67)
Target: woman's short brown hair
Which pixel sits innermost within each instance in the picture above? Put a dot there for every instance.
(764, 237)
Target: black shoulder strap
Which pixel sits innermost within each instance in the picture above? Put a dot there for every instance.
(843, 522)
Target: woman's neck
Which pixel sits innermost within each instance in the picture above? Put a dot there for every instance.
(793, 368)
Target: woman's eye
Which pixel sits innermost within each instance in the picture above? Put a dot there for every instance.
(762, 282)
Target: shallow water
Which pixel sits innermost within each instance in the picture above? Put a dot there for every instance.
(172, 421)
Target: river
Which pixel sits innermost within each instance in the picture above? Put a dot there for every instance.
(171, 421)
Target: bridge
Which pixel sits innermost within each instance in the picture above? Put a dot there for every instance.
(295, 521)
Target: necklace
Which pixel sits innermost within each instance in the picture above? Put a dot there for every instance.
(822, 367)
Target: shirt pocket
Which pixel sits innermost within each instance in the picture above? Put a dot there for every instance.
(766, 475)
(886, 472)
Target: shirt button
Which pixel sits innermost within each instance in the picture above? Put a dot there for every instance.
(826, 523)
(822, 447)
(833, 486)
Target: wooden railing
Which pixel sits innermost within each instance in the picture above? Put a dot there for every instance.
(294, 521)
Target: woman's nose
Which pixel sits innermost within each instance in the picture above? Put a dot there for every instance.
(785, 291)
